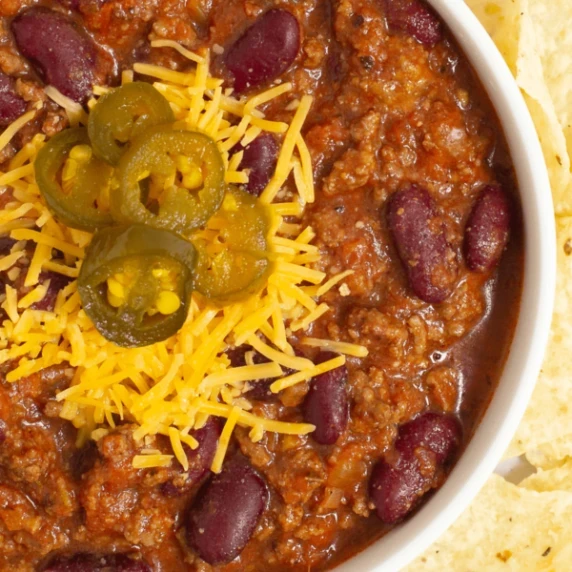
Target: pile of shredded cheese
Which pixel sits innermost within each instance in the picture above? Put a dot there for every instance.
(172, 387)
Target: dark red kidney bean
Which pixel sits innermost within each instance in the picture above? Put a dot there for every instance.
(11, 104)
(57, 282)
(2, 431)
(326, 403)
(226, 512)
(324, 356)
(419, 236)
(488, 228)
(396, 487)
(62, 53)
(260, 157)
(437, 432)
(261, 387)
(414, 18)
(237, 356)
(200, 459)
(84, 562)
(6, 244)
(265, 51)
(261, 390)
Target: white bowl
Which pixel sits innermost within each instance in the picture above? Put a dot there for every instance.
(400, 546)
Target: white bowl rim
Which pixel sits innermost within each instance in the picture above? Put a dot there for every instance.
(404, 543)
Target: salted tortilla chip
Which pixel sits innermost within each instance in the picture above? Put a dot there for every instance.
(554, 149)
(551, 23)
(523, 43)
(500, 19)
(531, 78)
(552, 455)
(506, 528)
(549, 414)
(558, 478)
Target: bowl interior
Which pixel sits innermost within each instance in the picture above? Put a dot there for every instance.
(399, 547)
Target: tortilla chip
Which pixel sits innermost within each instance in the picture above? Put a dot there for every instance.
(551, 22)
(556, 479)
(531, 78)
(505, 528)
(549, 414)
(551, 455)
(499, 17)
(515, 30)
(553, 144)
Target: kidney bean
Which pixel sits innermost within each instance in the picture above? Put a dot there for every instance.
(226, 512)
(414, 18)
(61, 53)
(200, 459)
(396, 488)
(237, 356)
(326, 404)
(487, 231)
(57, 282)
(6, 244)
(260, 157)
(11, 104)
(398, 485)
(261, 390)
(2, 431)
(437, 432)
(84, 562)
(419, 236)
(265, 51)
(261, 387)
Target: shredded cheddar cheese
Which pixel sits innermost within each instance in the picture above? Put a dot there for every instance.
(345, 348)
(11, 130)
(74, 110)
(172, 387)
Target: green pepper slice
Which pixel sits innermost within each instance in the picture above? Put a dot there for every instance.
(135, 284)
(124, 113)
(186, 177)
(232, 251)
(72, 180)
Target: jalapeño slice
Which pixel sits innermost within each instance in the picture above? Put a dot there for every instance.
(124, 113)
(136, 282)
(185, 174)
(232, 251)
(73, 181)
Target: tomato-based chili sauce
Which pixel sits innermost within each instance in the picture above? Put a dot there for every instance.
(415, 193)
